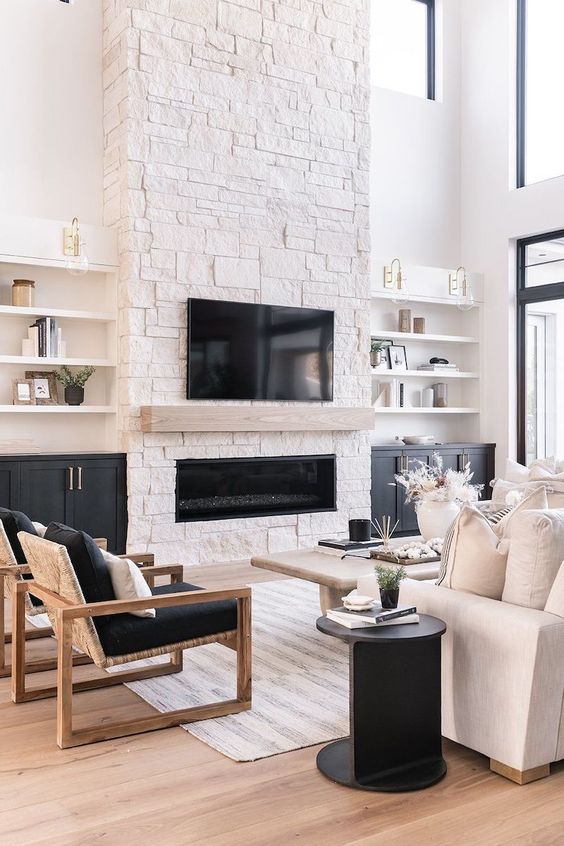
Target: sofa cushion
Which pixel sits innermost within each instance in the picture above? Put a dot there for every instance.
(535, 555)
(475, 549)
(124, 634)
(555, 601)
(128, 581)
(87, 560)
(14, 522)
(473, 558)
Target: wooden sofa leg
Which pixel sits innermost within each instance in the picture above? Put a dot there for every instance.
(64, 681)
(519, 776)
(244, 654)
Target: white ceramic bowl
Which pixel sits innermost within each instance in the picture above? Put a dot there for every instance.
(357, 602)
(418, 439)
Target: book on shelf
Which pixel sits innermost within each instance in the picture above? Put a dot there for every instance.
(436, 368)
(373, 618)
(345, 545)
(46, 338)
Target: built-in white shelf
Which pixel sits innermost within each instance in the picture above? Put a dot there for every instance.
(438, 376)
(413, 336)
(417, 298)
(70, 314)
(71, 362)
(57, 409)
(411, 410)
(42, 262)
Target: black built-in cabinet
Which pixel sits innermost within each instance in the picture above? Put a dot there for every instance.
(389, 498)
(86, 490)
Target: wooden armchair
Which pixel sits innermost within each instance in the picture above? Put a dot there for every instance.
(186, 616)
(10, 574)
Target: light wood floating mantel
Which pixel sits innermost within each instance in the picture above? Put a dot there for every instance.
(223, 418)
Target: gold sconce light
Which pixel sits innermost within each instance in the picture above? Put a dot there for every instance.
(461, 289)
(74, 248)
(395, 282)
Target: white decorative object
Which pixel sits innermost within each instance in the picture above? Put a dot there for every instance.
(418, 439)
(357, 602)
(435, 518)
(427, 398)
(416, 550)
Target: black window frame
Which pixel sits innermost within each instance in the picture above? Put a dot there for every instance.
(430, 45)
(521, 89)
(430, 4)
(527, 296)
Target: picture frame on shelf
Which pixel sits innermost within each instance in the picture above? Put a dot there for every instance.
(23, 392)
(44, 386)
(397, 357)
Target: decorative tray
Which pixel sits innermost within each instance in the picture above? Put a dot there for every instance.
(395, 559)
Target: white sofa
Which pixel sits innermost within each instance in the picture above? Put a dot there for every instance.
(503, 678)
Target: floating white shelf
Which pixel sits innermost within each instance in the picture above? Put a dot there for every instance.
(410, 410)
(412, 336)
(57, 409)
(39, 262)
(71, 362)
(417, 298)
(438, 376)
(38, 311)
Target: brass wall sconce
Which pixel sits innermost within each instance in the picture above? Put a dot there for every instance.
(74, 248)
(461, 289)
(395, 283)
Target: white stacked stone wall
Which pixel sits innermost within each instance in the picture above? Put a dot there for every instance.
(237, 143)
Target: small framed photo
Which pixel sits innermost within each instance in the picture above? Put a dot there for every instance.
(397, 357)
(23, 392)
(44, 386)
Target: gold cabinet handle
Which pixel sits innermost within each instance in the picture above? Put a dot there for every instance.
(79, 485)
(70, 471)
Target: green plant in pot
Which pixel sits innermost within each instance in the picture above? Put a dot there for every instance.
(389, 579)
(74, 383)
(376, 348)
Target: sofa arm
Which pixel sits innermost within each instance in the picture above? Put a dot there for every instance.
(503, 674)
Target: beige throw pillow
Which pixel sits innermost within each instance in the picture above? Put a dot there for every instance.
(475, 551)
(555, 601)
(535, 555)
(474, 559)
(128, 582)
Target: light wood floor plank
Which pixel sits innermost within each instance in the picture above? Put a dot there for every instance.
(170, 789)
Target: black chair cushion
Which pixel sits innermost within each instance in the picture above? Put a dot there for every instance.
(123, 634)
(88, 562)
(14, 522)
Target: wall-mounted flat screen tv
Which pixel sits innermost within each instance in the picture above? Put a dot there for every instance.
(245, 351)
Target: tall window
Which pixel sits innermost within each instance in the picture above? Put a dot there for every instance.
(540, 71)
(540, 346)
(403, 46)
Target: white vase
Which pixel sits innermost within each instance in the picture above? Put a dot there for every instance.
(435, 518)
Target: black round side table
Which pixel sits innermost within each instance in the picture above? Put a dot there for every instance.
(395, 708)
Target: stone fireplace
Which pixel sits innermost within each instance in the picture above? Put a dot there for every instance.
(236, 168)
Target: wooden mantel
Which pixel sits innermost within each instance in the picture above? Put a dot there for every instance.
(252, 418)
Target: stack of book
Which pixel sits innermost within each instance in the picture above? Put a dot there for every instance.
(438, 368)
(46, 338)
(340, 548)
(373, 617)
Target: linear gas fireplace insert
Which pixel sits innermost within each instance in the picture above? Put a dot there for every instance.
(224, 488)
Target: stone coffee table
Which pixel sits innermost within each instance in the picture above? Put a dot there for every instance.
(334, 576)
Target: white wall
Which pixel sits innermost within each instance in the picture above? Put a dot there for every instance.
(415, 161)
(493, 212)
(51, 138)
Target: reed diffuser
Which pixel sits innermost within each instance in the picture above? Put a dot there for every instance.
(385, 531)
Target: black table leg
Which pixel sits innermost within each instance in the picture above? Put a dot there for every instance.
(395, 712)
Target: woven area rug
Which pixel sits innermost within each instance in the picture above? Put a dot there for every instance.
(300, 680)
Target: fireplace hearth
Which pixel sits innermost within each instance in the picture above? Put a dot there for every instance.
(226, 488)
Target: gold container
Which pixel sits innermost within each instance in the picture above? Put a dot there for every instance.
(23, 293)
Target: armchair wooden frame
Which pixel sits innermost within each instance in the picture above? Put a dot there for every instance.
(66, 612)
(10, 575)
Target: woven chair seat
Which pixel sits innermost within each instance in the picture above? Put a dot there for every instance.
(125, 634)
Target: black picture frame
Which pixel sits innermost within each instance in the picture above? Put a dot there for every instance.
(393, 361)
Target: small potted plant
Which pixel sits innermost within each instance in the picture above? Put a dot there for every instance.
(74, 383)
(389, 579)
(376, 348)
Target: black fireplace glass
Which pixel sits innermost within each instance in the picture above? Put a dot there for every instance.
(220, 489)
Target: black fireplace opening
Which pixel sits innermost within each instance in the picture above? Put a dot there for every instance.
(225, 488)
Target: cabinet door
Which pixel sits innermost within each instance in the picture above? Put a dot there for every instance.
(483, 467)
(45, 490)
(384, 496)
(408, 517)
(10, 484)
(99, 500)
